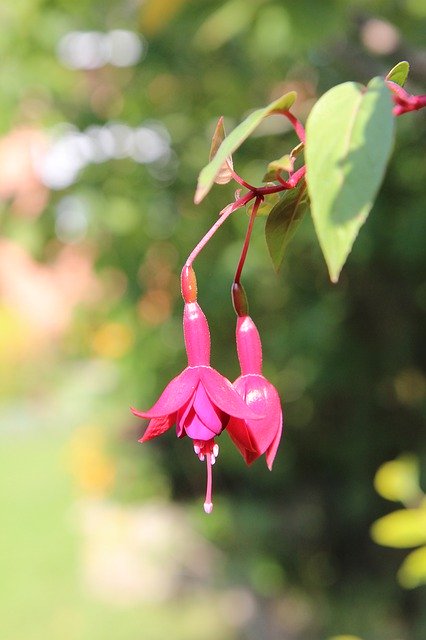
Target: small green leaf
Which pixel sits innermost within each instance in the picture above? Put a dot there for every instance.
(283, 220)
(349, 137)
(412, 572)
(235, 139)
(399, 73)
(224, 175)
(285, 163)
(400, 529)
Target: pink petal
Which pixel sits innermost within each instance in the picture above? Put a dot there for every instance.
(197, 430)
(262, 396)
(224, 396)
(271, 451)
(183, 416)
(240, 436)
(157, 427)
(208, 413)
(174, 396)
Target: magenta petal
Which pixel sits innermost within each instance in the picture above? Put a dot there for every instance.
(197, 430)
(224, 396)
(240, 436)
(157, 427)
(174, 396)
(262, 396)
(206, 411)
(271, 451)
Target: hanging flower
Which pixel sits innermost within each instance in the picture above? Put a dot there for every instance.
(255, 437)
(199, 401)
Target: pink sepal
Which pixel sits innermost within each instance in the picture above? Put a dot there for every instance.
(174, 396)
(157, 427)
(261, 435)
(197, 335)
(249, 347)
(223, 394)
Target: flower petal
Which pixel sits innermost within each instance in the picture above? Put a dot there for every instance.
(174, 396)
(224, 396)
(271, 451)
(262, 396)
(240, 436)
(207, 412)
(157, 427)
(197, 430)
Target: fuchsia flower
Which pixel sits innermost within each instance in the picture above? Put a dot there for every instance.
(200, 401)
(255, 437)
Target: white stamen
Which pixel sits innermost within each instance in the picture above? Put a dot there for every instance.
(212, 459)
(201, 457)
(215, 450)
(208, 507)
(197, 449)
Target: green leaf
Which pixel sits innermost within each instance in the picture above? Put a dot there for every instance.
(285, 163)
(399, 73)
(283, 220)
(235, 139)
(400, 529)
(349, 135)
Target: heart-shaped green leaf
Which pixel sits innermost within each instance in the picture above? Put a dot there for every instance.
(235, 139)
(399, 73)
(349, 135)
(283, 220)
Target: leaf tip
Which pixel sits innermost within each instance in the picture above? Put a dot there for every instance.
(200, 193)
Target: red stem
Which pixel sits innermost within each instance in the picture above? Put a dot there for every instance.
(243, 255)
(297, 125)
(224, 214)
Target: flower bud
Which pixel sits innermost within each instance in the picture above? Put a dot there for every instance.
(188, 284)
(239, 299)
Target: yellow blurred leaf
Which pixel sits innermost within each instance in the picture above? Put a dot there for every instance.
(156, 14)
(398, 480)
(346, 637)
(224, 24)
(400, 529)
(90, 465)
(112, 340)
(412, 572)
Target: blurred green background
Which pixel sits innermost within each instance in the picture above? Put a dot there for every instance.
(107, 109)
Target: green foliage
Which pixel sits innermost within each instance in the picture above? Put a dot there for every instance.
(399, 73)
(235, 139)
(283, 220)
(349, 137)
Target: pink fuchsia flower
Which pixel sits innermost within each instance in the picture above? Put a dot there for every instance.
(255, 437)
(200, 401)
